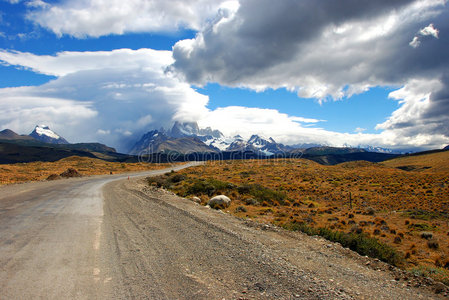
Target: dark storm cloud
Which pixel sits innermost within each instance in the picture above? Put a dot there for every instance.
(329, 49)
(264, 34)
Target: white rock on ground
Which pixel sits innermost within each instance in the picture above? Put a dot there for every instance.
(219, 201)
(196, 199)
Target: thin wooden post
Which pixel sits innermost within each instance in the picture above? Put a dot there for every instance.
(350, 200)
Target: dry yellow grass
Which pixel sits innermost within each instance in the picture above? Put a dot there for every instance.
(434, 162)
(393, 205)
(23, 172)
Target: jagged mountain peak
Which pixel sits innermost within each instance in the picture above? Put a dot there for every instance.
(44, 134)
(184, 129)
(148, 140)
(257, 139)
(213, 139)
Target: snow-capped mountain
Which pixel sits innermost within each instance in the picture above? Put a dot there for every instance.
(148, 141)
(204, 140)
(258, 144)
(157, 141)
(184, 129)
(222, 143)
(188, 137)
(44, 134)
(379, 149)
(217, 141)
(191, 129)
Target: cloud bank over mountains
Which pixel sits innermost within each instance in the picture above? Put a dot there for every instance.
(322, 50)
(109, 96)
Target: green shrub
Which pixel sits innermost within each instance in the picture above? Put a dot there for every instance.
(359, 243)
(420, 227)
(158, 181)
(209, 187)
(166, 180)
(177, 178)
(261, 193)
(240, 209)
(437, 273)
(425, 215)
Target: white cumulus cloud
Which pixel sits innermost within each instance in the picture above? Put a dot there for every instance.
(82, 18)
(108, 96)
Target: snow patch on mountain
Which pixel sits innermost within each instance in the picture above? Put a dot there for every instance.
(44, 134)
(216, 141)
(45, 130)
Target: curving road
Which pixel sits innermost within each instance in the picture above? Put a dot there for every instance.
(107, 237)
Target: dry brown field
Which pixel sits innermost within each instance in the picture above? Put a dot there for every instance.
(35, 171)
(408, 210)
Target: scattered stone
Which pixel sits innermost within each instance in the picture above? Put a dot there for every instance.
(439, 287)
(195, 199)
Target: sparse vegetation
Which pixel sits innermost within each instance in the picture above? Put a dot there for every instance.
(437, 273)
(23, 172)
(359, 198)
(359, 242)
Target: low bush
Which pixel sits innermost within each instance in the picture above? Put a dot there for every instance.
(420, 227)
(262, 194)
(240, 209)
(359, 243)
(209, 187)
(166, 180)
(433, 244)
(159, 181)
(436, 273)
(425, 214)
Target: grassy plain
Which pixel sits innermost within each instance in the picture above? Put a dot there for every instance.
(406, 210)
(23, 172)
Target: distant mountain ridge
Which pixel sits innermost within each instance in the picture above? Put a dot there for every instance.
(184, 141)
(8, 134)
(188, 137)
(25, 148)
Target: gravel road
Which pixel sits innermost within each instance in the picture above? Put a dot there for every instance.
(50, 238)
(104, 238)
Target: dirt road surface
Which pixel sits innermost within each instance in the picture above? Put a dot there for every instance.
(109, 238)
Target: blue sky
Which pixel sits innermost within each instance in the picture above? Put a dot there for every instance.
(359, 111)
(109, 73)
